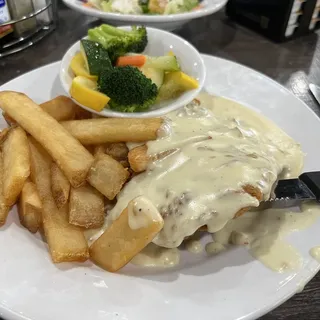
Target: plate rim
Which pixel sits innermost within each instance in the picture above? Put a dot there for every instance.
(209, 9)
(262, 75)
(10, 314)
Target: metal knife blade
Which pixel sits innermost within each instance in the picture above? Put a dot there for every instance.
(315, 91)
(291, 192)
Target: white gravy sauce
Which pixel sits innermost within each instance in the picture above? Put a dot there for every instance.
(301, 286)
(264, 233)
(221, 147)
(315, 253)
(155, 256)
(194, 246)
(213, 248)
(142, 213)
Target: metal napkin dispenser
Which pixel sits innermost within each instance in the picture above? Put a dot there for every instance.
(279, 20)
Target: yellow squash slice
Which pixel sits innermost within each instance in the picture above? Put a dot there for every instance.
(85, 92)
(79, 68)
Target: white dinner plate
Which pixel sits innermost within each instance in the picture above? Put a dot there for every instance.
(166, 22)
(229, 286)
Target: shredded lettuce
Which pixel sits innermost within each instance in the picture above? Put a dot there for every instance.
(180, 6)
(121, 6)
(106, 6)
(142, 6)
(96, 3)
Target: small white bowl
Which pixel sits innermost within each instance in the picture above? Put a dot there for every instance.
(165, 22)
(159, 43)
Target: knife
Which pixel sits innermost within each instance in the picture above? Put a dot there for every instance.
(291, 192)
(315, 91)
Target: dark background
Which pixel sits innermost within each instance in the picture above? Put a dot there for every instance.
(293, 64)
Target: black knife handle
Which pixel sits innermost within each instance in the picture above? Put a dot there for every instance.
(312, 180)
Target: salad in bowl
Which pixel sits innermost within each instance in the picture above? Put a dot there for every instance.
(153, 7)
(162, 14)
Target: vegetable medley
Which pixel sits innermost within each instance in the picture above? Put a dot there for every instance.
(144, 6)
(112, 72)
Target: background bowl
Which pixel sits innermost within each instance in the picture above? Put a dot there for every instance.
(159, 43)
(165, 22)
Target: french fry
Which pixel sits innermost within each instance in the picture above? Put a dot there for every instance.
(86, 207)
(99, 149)
(66, 242)
(72, 158)
(135, 228)
(16, 164)
(124, 163)
(90, 149)
(82, 114)
(138, 158)
(99, 131)
(118, 151)
(4, 209)
(107, 175)
(3, 134)
(8, 119)
(29, 207)
(61, 108)
(60, 186)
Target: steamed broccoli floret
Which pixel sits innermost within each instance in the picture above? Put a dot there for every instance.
(119, 42)
(180, 6)
(106, 6)
(128, 88)
(114, 47)
(136, 39)
(144, 4)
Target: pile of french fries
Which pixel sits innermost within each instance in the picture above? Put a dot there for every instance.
(61, 166)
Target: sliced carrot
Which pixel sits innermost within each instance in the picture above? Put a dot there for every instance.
(88, 5)
(135, 60)
(198, 7)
